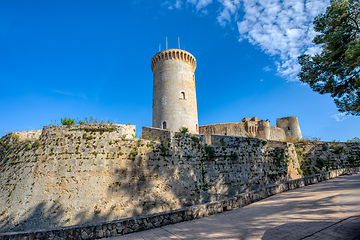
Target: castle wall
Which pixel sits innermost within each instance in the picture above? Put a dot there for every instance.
(277, 134)
(88, 175)
(316, 157)
(28, 135)
(239, 129)
(233, 129)
(81, 174)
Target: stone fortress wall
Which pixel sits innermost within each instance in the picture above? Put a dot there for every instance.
(286, 128)
(96, 173)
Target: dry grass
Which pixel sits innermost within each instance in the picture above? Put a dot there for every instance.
(303, 140)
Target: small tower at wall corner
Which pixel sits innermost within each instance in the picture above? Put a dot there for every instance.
(174, 93)
(291, 127)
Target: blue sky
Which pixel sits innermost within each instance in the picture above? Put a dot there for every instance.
(78, 59)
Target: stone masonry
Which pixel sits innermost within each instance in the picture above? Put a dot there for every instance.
(88, 174)
(174, 94)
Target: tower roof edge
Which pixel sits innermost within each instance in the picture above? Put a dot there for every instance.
(173, 53)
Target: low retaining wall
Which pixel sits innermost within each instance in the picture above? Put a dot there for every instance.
(129, 225)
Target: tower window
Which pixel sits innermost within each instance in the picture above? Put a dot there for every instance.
(164, 125)
(182, 95)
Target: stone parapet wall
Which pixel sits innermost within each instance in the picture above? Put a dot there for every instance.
(233, 129)
(151, 133)
(95, 174)
(277, 134)
(240, 129)
(28, 135)
(129, 225)
(166, 136)
(115, 131)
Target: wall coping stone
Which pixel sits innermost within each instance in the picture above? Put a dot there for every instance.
(139, 223)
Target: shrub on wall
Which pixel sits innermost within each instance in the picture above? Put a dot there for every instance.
(68, 121)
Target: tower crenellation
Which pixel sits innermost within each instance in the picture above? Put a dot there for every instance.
(173, 54)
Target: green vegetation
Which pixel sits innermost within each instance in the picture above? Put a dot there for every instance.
(85, 136)
(15, 137)
(222, 142)
(133, 153)
(336, 69)
(338, 149)
(325, 147)
(91, 120)
(36, 144)
(320, 163)
(196, 139)
(234, 156)
(308, 140)
(355, 139)
(96, 210)
(210, 151)
(184, 130)
(67, 121)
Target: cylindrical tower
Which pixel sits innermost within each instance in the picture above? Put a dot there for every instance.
(264, 128)
(291, 127)
(174, 94)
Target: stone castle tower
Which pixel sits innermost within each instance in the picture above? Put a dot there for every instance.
(174, 94)
(291, 127)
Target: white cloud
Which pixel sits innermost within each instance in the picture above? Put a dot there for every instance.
(199, 4)
(173, 5)
(339, 116)
(267, 69)
(228, 10)
(282, 29)
(79, 95)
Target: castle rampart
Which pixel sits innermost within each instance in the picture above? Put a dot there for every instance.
(249, 127)
(28, 135)
(90, 174)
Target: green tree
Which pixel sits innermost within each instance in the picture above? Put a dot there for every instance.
(336, 70)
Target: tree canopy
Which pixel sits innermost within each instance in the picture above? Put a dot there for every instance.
(336, 70)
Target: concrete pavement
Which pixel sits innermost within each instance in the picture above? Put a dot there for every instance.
(327, 210)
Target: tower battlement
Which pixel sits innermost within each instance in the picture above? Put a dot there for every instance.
(177, 54)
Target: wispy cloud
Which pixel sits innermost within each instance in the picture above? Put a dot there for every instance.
(173, 5)
(282, 29)
(229, 11)
(266, 69)
(79, 95)
(339, 117)
(199, 4)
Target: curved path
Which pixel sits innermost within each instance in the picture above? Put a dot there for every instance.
(327, 210)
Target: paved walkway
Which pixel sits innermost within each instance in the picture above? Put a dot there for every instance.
(327, 210)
